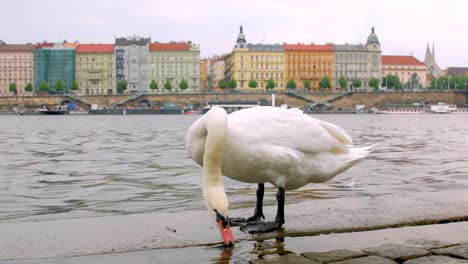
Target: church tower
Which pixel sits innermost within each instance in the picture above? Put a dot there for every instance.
(375, 58)
(430, 62)
(241, 42)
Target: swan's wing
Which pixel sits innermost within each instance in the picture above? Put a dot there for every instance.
(288, 128)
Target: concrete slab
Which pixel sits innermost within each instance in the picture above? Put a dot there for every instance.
(111, 234)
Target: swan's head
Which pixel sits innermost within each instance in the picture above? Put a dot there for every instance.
(217, 203)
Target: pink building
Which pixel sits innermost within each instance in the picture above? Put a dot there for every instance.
(16, 66)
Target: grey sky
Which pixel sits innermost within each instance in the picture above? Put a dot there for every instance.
(403, 26)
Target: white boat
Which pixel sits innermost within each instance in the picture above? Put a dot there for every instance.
(442, 108)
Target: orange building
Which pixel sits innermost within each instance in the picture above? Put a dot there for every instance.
(309, 62)
(204, 73)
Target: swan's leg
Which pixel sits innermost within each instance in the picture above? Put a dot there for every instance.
(260, 227)
(258, 213)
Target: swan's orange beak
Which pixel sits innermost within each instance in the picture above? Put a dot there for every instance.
(226, 233)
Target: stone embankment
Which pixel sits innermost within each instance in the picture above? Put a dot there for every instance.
(344, 101)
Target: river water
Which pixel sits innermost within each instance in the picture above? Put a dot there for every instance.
(55, 167)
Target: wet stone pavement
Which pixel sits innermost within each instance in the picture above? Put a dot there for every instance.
(416, 252)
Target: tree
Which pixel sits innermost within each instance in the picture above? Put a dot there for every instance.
(253, 83)
(291, 84)
(59, 87)
(12, 88)
(357, 83)
(121, 86)
(153, 85)
(391, 81)
(28, 87)
(325, 82)
(183, 84)
(222, 84)
(307, 84)
(44, 87)
(74, 86)
(342, 82)
(168, 85)
(373, 82)
(270, 84)
(232, 84)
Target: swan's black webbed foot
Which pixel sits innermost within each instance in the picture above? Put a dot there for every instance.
(261, 227)
(239, 221)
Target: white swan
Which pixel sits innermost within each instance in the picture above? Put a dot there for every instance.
(266, 144)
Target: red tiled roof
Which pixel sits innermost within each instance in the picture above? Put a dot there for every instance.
(457, 70)
(400, 60)
(169, 46)
(16, 48)
(95, 48)
(307, 47)
(44, 45)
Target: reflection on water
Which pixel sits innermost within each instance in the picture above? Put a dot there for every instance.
(85, 166)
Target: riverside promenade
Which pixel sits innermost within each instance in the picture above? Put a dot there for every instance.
(426, 227)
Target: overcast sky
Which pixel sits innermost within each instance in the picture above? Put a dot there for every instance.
(403, 26)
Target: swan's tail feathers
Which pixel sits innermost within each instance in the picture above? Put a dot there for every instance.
(357, 154)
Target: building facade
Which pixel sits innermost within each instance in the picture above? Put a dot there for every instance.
(361, 62)
(132, 64)
(411, 71)
(259, 62)
(95, 69)
(53, 63)
(16, 66)
(217, 70)
(375, 56)
(309, 62)
(173, 62)
(204, 74)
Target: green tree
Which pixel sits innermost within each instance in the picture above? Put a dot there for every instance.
(232, 84)
(373, 82)
(44, 87)
(325, 82)
(153, 85)
(253, 83)
(59, 87)
(270, 84)
(342, 82)
(122, 86)
(28, 87)
(12, 88)
(222, 84)
(357, 83)
(291, 84)
(183, 84)
(391, 81)
(74, 86)
(307, 84)
(168, 85)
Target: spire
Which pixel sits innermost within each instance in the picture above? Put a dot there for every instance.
(241, 42)
(428, 56)
(433, 52)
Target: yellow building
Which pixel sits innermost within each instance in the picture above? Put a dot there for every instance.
(95, 69)
(259, 62)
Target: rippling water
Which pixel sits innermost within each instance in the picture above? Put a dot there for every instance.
(83, 166)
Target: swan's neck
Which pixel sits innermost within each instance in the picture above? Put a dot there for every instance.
(216, 126)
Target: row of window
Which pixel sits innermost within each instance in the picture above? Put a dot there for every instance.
(352, 66)
(309, 74)
(175, 65)
(16, 56)
(262, 76)
(83, 83)
(15, 73)
(310, 66)
(173, 73)
(16, 64)
(94, 59)
(89, 75)
(175, 57)
(351, 57)
(351, 74)
(267, 58)
(16, 80)
(309, 56)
